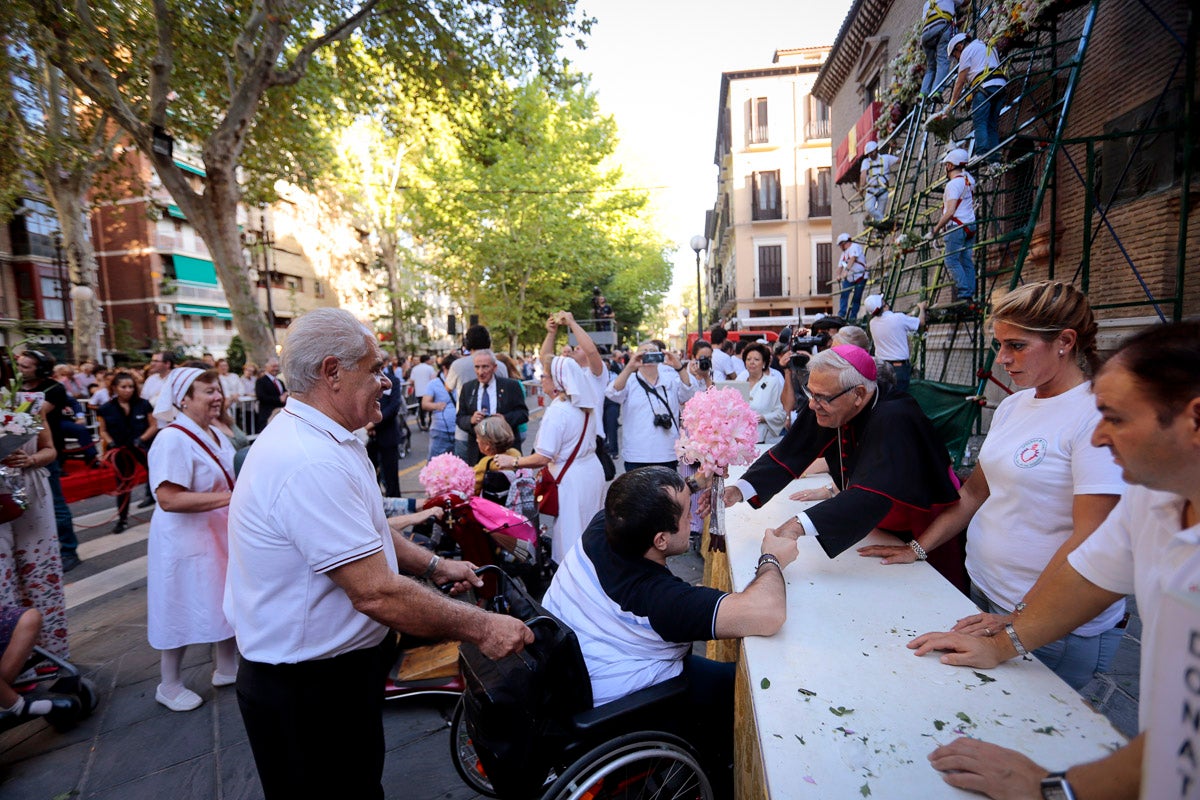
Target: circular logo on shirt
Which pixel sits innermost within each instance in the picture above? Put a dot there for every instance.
(1030, 454)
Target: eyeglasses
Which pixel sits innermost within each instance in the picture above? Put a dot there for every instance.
(824, 400)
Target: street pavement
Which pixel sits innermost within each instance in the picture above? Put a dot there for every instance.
(132, 748)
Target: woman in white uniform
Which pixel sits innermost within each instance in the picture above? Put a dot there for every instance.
(766, 392)
(191, 473)
(569, 425)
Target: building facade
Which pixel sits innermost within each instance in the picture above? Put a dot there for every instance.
(770, 254)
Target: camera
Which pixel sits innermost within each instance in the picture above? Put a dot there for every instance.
(705, 363)
(653, 358)
(806, 343)
(662, 421)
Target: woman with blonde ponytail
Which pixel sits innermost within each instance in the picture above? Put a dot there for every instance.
(1040, 487)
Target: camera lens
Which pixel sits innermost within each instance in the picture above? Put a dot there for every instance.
(705, 363)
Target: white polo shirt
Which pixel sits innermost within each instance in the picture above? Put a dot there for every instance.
(644, 442)
(306, 502)
(1140, 548)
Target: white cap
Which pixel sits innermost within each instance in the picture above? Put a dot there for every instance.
(954, 42)
(842, 238)
(870, 147)
(958, 157)
(873, 303)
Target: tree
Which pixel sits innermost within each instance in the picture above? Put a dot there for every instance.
(66, 142)
(522, 215)
(234, 79)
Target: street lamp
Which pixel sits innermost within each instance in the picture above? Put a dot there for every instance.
(687, 312)
(699, 244)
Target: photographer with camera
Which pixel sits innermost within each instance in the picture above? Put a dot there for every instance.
(651, 389)
(801, 344)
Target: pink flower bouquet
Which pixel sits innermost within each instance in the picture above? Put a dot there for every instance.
(719, 429)
(447, 473)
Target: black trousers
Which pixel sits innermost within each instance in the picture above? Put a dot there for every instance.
(316, 728)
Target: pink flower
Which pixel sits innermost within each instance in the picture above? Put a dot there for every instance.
(447, 473)
(719, 430)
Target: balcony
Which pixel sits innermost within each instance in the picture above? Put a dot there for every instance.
(757, 134)
(817, 129)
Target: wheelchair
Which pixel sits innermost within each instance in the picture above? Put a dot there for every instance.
(48, 677)
(525, 726)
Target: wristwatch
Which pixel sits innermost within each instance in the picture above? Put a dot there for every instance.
(768, 558)
(1056, 787)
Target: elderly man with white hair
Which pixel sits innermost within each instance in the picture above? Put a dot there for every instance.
(890, 468)
(313, 584)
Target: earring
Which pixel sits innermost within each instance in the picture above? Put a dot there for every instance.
(1060, 352)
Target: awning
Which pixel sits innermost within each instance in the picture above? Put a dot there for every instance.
(175, 211)
(203, 311)
(190, 168)
(848, 153)
(195, 270)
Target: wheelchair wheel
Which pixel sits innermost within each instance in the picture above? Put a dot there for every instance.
(462, 753)
(644, 765)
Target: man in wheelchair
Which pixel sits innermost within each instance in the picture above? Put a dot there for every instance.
(636, 622)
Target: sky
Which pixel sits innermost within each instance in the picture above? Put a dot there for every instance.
(656, 68)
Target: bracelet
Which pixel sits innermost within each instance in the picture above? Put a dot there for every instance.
(1016, 642)
(1018, 608)
(920, 551)
(433, 565)
(768, 558)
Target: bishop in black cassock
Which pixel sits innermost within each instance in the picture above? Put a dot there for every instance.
(891, 468)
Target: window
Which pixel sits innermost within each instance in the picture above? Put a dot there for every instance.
(766, 202)
(824, 268)
(186, 322)
(770, 270)
(318, 289)
(819, 203)
(207, 323)
(756, 121)
(295, 284)
(33, 229)
(818, 119)
(871, 93)
(52, 300)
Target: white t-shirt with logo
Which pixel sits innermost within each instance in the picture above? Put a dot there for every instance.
(853, 263)
(1037, 457)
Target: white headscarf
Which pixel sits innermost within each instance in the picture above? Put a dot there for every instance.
(569, 379)
(170, 399)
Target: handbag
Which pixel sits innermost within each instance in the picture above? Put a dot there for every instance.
(547, 485)
(10, 509)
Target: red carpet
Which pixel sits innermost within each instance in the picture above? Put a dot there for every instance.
(80, 482)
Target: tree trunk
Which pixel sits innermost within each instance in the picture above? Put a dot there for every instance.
(214, 215)
(69, 198)
(390, 254)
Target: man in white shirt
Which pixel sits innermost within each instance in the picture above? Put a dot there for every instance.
(160, 364)
(979, 67)
(875, 180)
(1149, 399)
(313, 585)
(421, 375)
(722, 363)
(852, 272)
(890, 332)
(958, 220)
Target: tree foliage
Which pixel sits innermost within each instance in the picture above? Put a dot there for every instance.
(522, 214)
(253, 84)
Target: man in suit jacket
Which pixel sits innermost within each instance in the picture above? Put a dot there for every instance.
(270, 392)
(383, 447)
(489, 394)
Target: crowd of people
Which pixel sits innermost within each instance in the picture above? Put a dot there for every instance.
(1085, 491)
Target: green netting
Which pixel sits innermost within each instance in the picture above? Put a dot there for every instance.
(952, 414)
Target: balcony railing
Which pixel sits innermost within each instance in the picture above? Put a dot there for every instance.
(817, 129)
(757, 134)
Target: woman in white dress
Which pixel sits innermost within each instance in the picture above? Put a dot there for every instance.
(569, 425)
(766, 392)
(191, 473)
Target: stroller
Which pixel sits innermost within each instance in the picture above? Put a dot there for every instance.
(49, 677)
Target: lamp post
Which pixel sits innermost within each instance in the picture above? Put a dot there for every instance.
(63, 292)
(699, 244)
(687, 312)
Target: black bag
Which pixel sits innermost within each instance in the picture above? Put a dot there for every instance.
(610, 469)
(511, 706)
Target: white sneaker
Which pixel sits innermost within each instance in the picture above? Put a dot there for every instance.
(220, 679)
(185, 700)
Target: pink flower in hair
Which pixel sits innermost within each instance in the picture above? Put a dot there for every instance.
(719, 430)
(447, 473)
